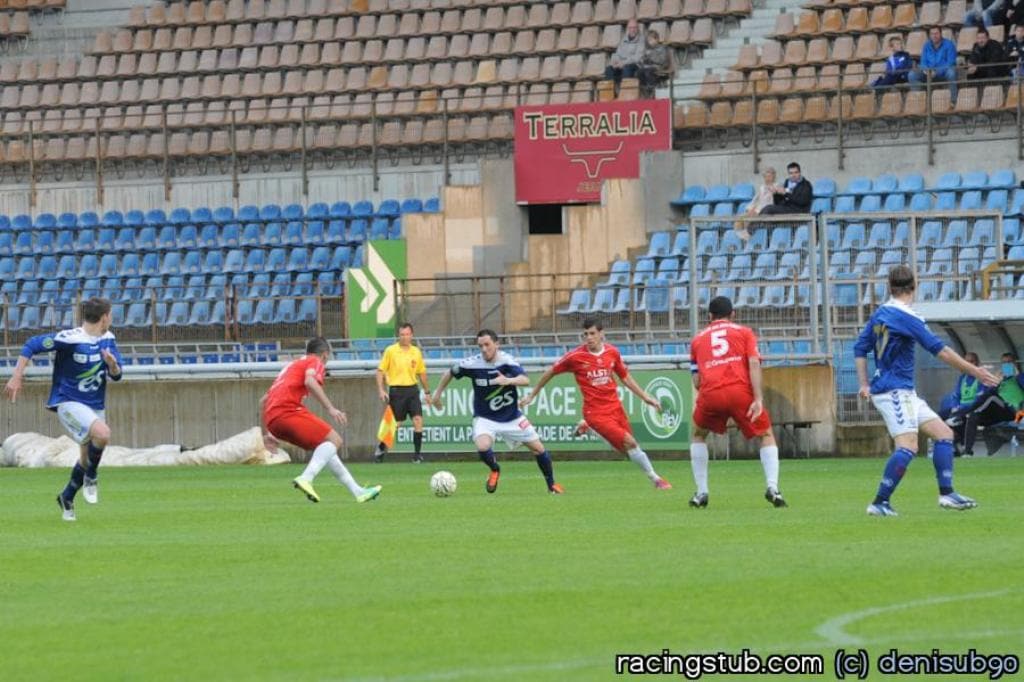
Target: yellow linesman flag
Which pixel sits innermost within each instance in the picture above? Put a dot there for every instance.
(388, 428)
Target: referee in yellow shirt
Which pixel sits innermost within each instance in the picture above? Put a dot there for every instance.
(403, 368)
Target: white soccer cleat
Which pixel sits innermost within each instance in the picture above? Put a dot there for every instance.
(67, 508)
(881, 509)
(956, 501)
(91, 491)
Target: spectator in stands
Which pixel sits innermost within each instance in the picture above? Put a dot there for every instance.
(1012, 15)
(987, 59)
(1015, 51)
(964, 393)
(656, 65)
(938, 60)
(765, 197)
(625, 61)
(984, 13)
(992, 406)
(898, 65)
(794, 196)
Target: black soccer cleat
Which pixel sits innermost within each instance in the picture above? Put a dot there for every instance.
(699, 500)
(378, 455)
(775, 498)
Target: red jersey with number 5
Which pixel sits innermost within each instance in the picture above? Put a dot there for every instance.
(286, 394)
(594, 374)
(720, 354)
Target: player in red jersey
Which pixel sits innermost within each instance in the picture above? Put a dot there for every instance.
(726, 371)
(283, 416)
(596, 364)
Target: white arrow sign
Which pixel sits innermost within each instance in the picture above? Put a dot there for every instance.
(368, 288)
(385, 279)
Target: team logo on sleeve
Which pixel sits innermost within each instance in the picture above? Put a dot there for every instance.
(663, 425)
(48, 342)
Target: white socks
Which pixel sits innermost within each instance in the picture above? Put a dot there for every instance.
(770, 463)
(699, 464)
(639, 457)
(318, 461)
(343, 476)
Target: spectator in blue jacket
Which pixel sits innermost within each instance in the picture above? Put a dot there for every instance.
(938, 59)
(898, 65)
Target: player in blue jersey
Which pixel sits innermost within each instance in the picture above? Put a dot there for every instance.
(86, 357)
(890, 335)
(496, 377)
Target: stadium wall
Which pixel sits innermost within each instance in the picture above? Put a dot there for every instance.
(197, 412)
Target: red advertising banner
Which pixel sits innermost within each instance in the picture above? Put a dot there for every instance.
(563, 152)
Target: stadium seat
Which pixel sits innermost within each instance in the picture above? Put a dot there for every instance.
(931, 234)
(911, 183)
(340, 209)
(67, 221)
(749, 296)
(983, 233)
(777, 296)
(659, 245)
(65, 242)
(622, 302)
(824, 187)
(603, 302)
(432, 205)
(1005, 178)
(303, 284)
(411, 206)
(765, 266)
(740, 268)
(251, 235)
(742, 192)
(681, 242)
(137, 315)
(285, 312)
(328, 284)
(307, 310)
(857, 186)
(694, 194)
(839, 264)
(846, 203)
(885, 184)
(188, 237)
(894, 203)
(716, 268)
(971, 201)
(231, 235)
(997, 200)
(29, 293)
(700, 211)
(655, 296)
(362, 209)
(145, 239)
(948, 181)
(264, 313)
(315, 232)
(172, 291)
(680, 295)
(68, 292)
(1011, 231)
(216, 287)
(717, 193)
(956, 233)
(196, 287)
(707, 242)
(974, 180)
(89, 266)
(379, 228)
(928, 290)
(864, 264)
(234, 261)
(130, 265)
(86, 241)
(24, 244)
(853, 236)
(618, 276)
(941, 262)
(67, 267)
(643, 271)
(292, 235)
(273, 234)
(822, 205)
(213, 263)
(579, 301)
(358, 230)
(872, 203)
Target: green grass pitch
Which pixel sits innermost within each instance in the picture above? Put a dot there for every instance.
(229, 573)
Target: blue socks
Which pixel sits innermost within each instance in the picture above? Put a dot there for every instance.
(487, 457)
(942, 458)
(95, 454)
(77, 476)
(894, 470)
(544, 463)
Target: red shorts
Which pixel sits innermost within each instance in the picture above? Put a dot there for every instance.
(611, 424)
(303, 428)
(713, 411)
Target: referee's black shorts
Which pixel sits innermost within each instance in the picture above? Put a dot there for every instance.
(405, 402)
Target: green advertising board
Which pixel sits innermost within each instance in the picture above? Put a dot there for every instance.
(370, 290)
(558, 409)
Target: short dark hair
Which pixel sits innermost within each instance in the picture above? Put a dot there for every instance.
(317, 345)
(901, 280)
(94, 308)
(935, 27)
(488, 332)
(971, 354)
(1009, 354)
(406, 325)
(593, 322)
(982, 29)
(792, 165)
(720, 307)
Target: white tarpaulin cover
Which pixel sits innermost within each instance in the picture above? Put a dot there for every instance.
(36, 450)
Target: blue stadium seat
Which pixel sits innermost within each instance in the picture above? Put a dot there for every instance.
(880, 235)
(270, 212)
(643, 271)
(901, 236)
(1005, 178)
(432, 205)
(67, 267)
(971, 201)
(285, 312)
(700, 210)
(167, 239)
(974, 180)
(320, 258)
(716, 268)
(239, 284)
(69, 292)
(931, 234)
(44, 221)
(864, 264)
(379, 228)
(789, 266)
(293, 234)
(137, 315)
(264, 313)
(655, 297)
(154, 285)
(277, 260)
(193, 263)
(357, 257)
(225, 214)
(921, 202)
(21, 223)
(196, 287)
(181, 216)
(282, 285)
(622, 303)
(357, 230)
(389, 208)
(748, 296)
(956, 233)
(618, 276)
(707, 242)
(293, 212)
(155, 217)
(260, 285)
(983, 233)
(853, 236)
(65, 242)
(742, 192)
(307, 310)
(740, 268)
(254, 261)
(145, 238)
(234, 261)
(659, 245)
(668, 269)
(178, 315)
(395, 230)
(29, 292)
(950, 291)
(362, 209)
(693, 194)
(781, 238)
(6, 244)
(579, 302)
(758, 241)
(777, 296)
(885, 184)
(858, 186)
(174, 290)
(927, 290)
(723, 209)
(681, 242)
(895, 203)
(989, 255)
(111, 289)
(135, 218)
(945, 201)
(252, 235)
(209, 236)
(1015, 253)
(315, 232)
(822, 205)
(824, 187)
(341, 209)
(113, 219)
(948, 181)
(341, 258)
(24, 244)
(150, 264)
(298, 260)
(328, 284)
(833, 234)
(336, 232)
(1011, 231)
(997, 200)
(130, 265)
(604, 300)
(89, 266)
(846, 203)
(216, 286)
(188, 237)
(717, 193)
(171, 264)
(45, 243)
(217, 314)
(106, 239)
(67, 221)
(731, 242)
(911, 183)
(941, 262)
(30, 318)
(411, 206)
(47, 267)
(680, 296)
(85, 241)
(967, 260)
(839, 264)
(303, 284)
(231, 235)
(273, 234)
(765, 266)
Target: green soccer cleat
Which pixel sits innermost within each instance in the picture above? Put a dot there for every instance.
(368, 494)
(307, 488)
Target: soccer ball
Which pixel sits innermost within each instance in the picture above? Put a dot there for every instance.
(443, 483)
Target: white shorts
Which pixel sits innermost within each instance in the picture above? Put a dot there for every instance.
(77, 419)
(514, 432)
(902, 411)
